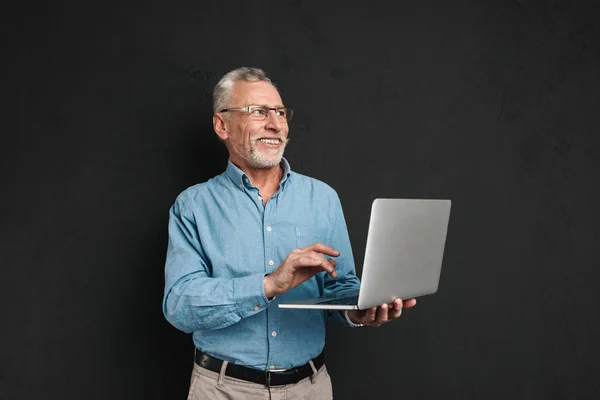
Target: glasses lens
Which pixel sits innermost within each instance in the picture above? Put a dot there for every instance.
(287, 113)
(262, 112)
(259, 112)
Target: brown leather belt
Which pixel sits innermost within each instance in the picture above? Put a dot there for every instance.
(267, 378)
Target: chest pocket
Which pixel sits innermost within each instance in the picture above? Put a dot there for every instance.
(306, 236)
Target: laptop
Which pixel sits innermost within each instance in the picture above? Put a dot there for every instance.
(403, 255)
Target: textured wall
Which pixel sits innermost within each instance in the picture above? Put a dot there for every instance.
(493, 104)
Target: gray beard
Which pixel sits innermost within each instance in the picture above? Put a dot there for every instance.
(258, 160)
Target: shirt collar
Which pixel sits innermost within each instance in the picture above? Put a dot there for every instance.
(237, 175)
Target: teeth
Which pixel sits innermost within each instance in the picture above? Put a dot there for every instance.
(270, 141)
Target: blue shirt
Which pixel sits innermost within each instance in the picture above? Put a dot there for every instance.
(222, 242)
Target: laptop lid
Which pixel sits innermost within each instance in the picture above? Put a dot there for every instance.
(404, 250)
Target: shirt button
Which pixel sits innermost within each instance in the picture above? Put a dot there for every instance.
(272, 367)
(271, 262)
(246, 180)
(268, 229)
(260, 198)
(273, 333)
(241, 186)
(256, 308)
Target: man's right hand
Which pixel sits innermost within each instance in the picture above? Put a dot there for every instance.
(299, 266)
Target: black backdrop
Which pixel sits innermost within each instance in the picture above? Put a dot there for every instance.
(493, 104)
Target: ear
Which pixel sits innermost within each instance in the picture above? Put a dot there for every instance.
(220, 126)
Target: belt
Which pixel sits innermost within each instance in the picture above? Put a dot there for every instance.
(268, 378)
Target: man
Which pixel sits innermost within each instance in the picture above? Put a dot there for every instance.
(249, 238)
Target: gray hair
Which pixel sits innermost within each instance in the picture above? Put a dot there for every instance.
(223, 90)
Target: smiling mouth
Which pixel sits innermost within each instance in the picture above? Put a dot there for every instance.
(269, 141)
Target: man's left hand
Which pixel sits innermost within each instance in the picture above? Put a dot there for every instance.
(377, 316)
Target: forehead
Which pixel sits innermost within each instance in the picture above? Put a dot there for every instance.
(258, 93)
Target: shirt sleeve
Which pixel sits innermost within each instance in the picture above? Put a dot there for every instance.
(339, 240)
(193, 300)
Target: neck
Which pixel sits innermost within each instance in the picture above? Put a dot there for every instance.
(265, 179)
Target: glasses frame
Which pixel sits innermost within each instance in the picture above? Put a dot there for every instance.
(248, 109)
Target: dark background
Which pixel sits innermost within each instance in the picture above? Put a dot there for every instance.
(493, 104)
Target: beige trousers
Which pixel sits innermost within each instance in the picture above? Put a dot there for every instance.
(207, 384)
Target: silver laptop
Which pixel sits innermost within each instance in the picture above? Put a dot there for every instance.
(403, 256)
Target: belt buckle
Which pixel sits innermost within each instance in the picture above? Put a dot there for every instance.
(268, 375)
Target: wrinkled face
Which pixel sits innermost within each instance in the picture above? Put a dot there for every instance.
(253, 141)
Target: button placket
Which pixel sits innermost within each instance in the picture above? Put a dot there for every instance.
(271, 262)
(269, 238)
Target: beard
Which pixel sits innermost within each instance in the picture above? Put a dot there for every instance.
(262, 159)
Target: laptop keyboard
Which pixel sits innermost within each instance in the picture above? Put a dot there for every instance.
(350, 301)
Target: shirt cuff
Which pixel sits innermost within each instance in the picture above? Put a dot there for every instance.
(352, 324)
(250, 295)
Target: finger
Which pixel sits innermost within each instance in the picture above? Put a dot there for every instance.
(316, 254)
(396, 310)
(382, 314)
(409, 303)
(398, 304)
(332, 263)
(327, 262)
(321, 248)
(313, 261)
(334, 274)
(370, 315)
(395, 303)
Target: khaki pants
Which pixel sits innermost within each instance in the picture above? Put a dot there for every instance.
(210, 385)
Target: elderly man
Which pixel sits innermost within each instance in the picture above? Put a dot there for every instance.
(249, 238)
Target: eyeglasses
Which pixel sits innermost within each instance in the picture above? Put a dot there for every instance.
(260, 113)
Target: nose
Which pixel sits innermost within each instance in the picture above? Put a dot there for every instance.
(273, 121)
